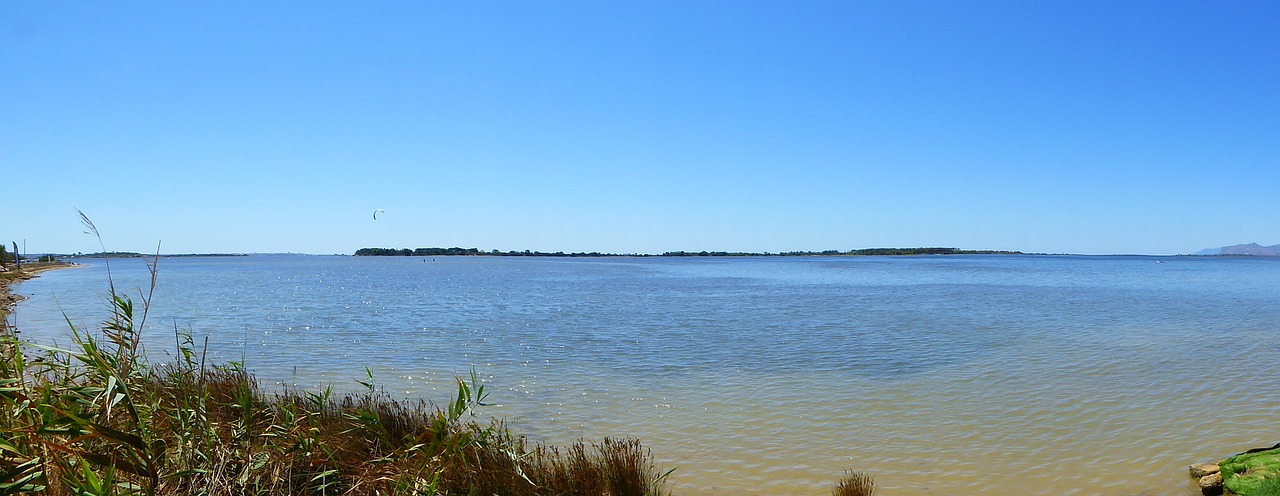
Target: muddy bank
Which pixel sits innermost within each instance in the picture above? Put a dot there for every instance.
(11, 275)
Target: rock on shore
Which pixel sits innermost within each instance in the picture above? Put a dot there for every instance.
(1209, 478)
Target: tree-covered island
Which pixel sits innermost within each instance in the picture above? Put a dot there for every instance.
(432, 252)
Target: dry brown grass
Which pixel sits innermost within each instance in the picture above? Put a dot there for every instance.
(98, 419)
(218, 435)
(854, 484)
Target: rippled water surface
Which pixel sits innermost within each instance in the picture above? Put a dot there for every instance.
(957, 375)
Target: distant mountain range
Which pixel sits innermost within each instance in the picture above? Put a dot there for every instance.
(1249, 249)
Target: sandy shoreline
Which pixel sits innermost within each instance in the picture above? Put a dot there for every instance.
(13, 276)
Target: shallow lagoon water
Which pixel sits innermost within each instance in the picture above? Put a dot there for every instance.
(952, 375)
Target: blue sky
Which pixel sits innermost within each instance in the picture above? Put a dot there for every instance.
(1050, 126)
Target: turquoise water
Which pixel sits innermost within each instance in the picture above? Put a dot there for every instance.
(938, 375)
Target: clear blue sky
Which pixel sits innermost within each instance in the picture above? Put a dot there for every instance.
(1050, 126)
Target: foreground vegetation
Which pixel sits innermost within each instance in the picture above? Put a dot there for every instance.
(99, 419)
(1253, 473)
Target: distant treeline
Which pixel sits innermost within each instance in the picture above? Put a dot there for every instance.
(828, 253)
(431, 252)
(929, 251)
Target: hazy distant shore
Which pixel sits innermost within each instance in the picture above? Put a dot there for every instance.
(130, 254)
(433, 252)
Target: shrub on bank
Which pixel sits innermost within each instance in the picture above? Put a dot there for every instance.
(854, 484)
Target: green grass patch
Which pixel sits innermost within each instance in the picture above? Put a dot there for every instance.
(1253, 474)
